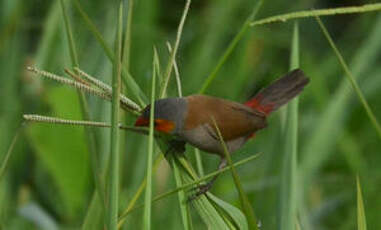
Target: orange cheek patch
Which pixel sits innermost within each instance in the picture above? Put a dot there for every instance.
(164, 125)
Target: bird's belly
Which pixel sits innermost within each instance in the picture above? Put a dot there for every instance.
(201, 138)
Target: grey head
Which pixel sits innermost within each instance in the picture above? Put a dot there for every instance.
(170, 109)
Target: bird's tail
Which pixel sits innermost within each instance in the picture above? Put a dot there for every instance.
(279, 92)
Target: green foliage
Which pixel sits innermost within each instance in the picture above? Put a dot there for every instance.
(63, 160)
(46, 182)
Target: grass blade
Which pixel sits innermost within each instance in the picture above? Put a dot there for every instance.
(231, 47)
(128, 80)
(90, 135)
(172, 57)
(181, 195)
(315, 153)
(211, 217)
(351, 79)
(5, 161)
(127, 38)
(177, 74)
(361, 220)
(288, 187)
(148, 192)
(132, 207)
(320, 12)
(234, 213)
(113, 181)
(245, 203)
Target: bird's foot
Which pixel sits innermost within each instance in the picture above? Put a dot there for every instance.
(200, 190)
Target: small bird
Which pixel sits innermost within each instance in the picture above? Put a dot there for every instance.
(191, 119)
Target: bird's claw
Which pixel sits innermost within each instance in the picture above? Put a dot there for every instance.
(201, 190)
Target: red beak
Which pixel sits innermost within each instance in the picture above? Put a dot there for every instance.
(160, 125)
(141, 121)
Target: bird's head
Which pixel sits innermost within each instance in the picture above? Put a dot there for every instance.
(168, 115)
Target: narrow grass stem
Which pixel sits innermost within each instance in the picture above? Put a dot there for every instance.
(248, 210)
(351, 78)
(113, 181)
(320, 12)
(231, 47)
(288, 185)
(148, 191)
(90, 135)
(132, 203)
(172, 57)
(5, 160)
(189, 185)
(361, 219)
(127, 78)
(177, 74)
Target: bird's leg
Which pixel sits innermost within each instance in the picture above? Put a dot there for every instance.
(202, 189)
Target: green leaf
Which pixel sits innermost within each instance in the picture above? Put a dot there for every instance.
(181, 195)
(288, 184)
(361, 220)
(234, 213)
(245, 203)
(148, 192)
(64, 160)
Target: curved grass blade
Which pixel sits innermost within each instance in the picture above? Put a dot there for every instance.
(132, 207)
(90, 135)
(113, 180)
(172, 57)
(361, 220)
(351, 79)
(5, 161)
(231, 47)
(315, 153)
(320, 12)
(234, 213)
(177, 74)
(245, 203)
(211, 217)
(181, 195)
(128, 80)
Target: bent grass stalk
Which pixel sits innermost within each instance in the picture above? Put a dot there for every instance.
(351, 78)
(245, 203)
(361, 219)
(231, 47)
(5, 160)
(320, 12)
(127, 78)
(90, 135)
(172, 57)
(188, 185)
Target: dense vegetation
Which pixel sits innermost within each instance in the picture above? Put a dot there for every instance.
(49, 182)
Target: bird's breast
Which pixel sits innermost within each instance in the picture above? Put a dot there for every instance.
(204, 138)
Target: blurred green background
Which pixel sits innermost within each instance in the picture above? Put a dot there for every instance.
(48, 183)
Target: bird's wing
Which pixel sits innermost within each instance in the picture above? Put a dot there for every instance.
(234, 120)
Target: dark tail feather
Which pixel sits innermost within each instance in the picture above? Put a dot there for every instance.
(279, 92)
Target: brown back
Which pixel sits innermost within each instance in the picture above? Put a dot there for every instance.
(233, 119)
